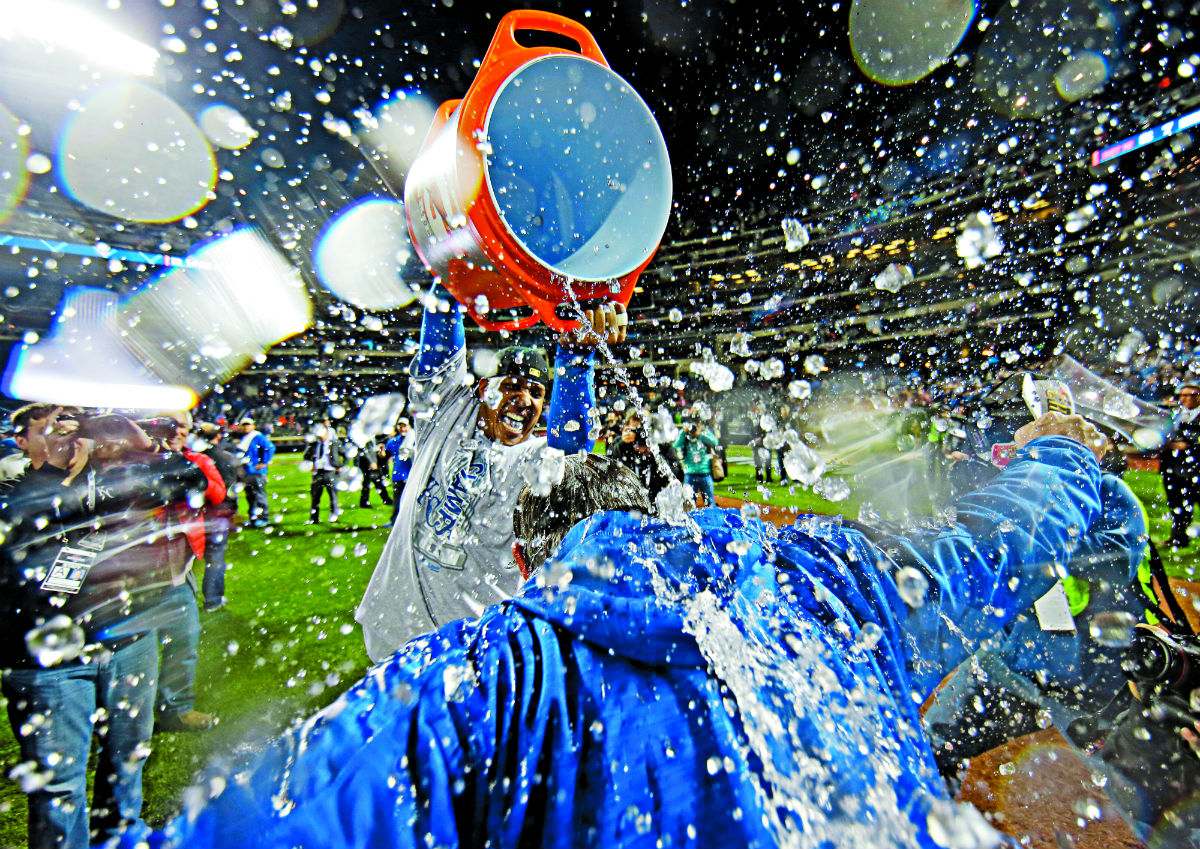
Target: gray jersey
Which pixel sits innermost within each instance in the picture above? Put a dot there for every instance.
(449, 554)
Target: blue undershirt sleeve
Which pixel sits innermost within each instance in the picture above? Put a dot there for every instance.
(571, 400)
(441, 334)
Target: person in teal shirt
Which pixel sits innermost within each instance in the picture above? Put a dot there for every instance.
(694, 447)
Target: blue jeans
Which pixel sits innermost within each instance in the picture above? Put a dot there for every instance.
(215, 540)
(702, 485)
(179, 634)
(51, 714)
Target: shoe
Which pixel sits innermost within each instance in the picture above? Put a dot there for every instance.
(333, 517)
(209, 608)
(311, 522)
(192, 720)
(259, 523)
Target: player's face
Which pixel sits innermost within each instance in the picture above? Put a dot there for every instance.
(510, 416)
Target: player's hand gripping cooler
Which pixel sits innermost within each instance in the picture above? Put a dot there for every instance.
(548, 182)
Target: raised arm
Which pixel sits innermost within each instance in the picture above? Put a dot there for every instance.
(937, 593)
(442, 333)
(574, 394)
(571, 400)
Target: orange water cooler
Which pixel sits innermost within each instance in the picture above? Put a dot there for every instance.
(549, 177)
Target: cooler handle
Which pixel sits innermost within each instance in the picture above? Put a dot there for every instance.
(440, 117)
(505, 40)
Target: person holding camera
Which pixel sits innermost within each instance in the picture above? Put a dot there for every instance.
(369, 458)
(694, 446)
(631, 447)
(325, 454)
(183, 542)
(80, 570)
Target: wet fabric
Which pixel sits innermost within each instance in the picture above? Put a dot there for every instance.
(448, 553)
(707, 685)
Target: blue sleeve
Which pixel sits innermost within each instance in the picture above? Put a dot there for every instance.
(441, 334)
(571, 400)
(1011, 542)
(268, 450)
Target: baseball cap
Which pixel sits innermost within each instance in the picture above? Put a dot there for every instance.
(246, 420)
(525, 362)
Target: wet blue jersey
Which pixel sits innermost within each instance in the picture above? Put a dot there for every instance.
(710, 685)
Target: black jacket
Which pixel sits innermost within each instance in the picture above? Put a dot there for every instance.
(95, 550)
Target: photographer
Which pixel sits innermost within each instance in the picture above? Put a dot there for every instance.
(631, 446)
(75, 575)
(178, 617)
(1151, 757)
(325, 453)
(694, 446)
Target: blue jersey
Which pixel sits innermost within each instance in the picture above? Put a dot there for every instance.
(712, 685)
(400, 465)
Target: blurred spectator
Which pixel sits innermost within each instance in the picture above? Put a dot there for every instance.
(759, 452)
(178, 618)
(632, 448)
(695, 445)
(76, 583)
(218, 518)
(399, 449)
(610, 431)
(370, 457)
(325, 454)
(1179, 463)
(255, 452)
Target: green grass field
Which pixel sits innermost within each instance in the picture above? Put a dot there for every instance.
(287, 643)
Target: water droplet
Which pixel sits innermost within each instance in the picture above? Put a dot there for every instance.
(30, 777)
(832, 489)
(869, 636)
(800, 389)
(912, 586)
(739, 547)
(57, 641)
(1113, 628)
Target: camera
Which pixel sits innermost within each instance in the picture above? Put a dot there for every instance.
(161, 428)
(1156, 659)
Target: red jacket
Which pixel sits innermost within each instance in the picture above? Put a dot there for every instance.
(192, 518)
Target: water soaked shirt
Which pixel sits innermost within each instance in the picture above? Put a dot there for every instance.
(707, 686)
(448, 555)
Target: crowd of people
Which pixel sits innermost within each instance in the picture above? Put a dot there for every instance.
(568, 651)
